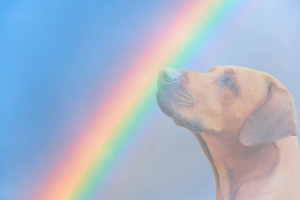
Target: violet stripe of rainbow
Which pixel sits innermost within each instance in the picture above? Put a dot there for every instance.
(87, 163)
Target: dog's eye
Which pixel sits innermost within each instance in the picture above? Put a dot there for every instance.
(228, 82)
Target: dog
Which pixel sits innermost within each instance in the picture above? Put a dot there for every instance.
(246, 123)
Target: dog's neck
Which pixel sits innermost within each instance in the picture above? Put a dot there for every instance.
(235, 164)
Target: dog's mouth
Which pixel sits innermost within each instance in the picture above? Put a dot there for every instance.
(172, 100)
(170, 108)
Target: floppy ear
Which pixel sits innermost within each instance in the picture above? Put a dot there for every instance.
(275, 118)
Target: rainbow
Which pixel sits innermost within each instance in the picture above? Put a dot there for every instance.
(92, 158)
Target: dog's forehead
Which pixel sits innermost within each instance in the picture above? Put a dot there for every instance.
(245, 73)
(240, 72)
(248, 78)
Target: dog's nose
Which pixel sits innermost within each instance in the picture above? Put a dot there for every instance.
(169, 75)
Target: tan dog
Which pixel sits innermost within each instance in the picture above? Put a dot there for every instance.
(246, 124)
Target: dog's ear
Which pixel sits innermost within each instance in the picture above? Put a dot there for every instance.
(275, 118)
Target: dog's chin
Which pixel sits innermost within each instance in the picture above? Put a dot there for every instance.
(167, 112)
(178, 122)
(162, 106)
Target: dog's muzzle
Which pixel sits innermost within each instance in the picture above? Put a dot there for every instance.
(168, 79)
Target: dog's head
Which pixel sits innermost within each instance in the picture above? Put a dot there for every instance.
(227, 101)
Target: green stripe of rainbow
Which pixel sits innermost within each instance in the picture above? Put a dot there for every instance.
(87, 163)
